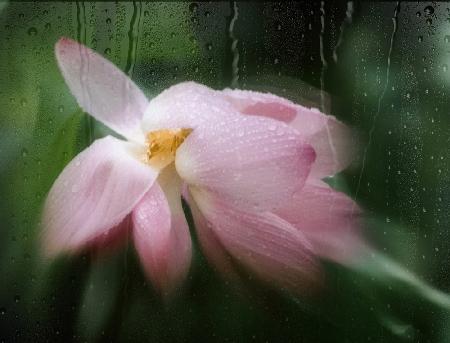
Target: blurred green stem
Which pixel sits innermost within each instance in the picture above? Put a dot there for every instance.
(383, 269)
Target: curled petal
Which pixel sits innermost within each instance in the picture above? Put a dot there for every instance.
(94, 193)
(161, 233)
(329, 219)
(252, 161)
(101, 89)
(262, 104)
(263, 243)
(333, 142)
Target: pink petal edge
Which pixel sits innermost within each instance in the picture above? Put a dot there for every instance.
(334, 142)
(93, 193)
(102, 89)
(266, 245)
(161, 234)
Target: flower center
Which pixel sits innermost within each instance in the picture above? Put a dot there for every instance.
(163, 144)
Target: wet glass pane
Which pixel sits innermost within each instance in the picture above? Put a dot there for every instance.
(294, 234)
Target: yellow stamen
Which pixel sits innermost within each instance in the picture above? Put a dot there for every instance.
(163, 144)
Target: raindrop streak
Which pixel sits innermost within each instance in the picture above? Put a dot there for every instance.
(322, 54)
(81, 37)
(234, 49)
(133, 36)
(346, 22)
(322, 78)
(388, 68)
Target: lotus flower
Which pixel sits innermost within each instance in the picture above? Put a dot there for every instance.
(249, 164)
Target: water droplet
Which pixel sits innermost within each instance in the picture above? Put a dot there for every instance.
(429, 21)
(193, 7)
(23, 102)
(429, 10)
(418, 14)
(146, 13)
(209, 46)
(2, 311)
(48, 26)
(60, 108)
(32, 31)
(16, 298)
(107, 51)
(420, 39)
(24, 152)
(444, 68)
(75, 188)
(108, 20)
(207, 14)
(447, 39)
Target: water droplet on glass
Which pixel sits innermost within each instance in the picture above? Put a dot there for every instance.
(107, 51)
(61, 108)
(278, 26)
(209, 46)
(420, 39)
(32, 31)
(444, 68)
(429, 10)
(75, 188)
(24, 152)
(418, 14)
(108, 20)
(193, 7)
(429, 21)
(48, 26)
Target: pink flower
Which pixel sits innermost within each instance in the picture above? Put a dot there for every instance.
(249, 164)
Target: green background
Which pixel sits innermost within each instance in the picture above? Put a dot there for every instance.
(384, 70)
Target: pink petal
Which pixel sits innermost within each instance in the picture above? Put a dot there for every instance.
(333, 142)
(115, 238)
(101, 89)
(186, 105)
(161, 233)
(263, 243)
(254, 162)
(213, 249)
(94, 193)
(329, 219)
(262, 104)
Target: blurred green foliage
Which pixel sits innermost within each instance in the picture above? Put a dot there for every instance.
(386, 73)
